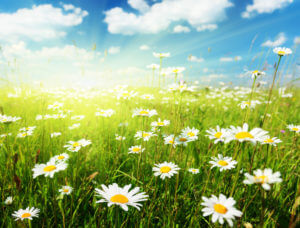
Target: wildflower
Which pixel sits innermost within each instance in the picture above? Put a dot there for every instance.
(282, 51)
(247, 104)
(55, 134)
(153, 66)
(8, 119)
(105, 113)
(147, 97)
(5, 135)
(182, 140)
(242, 134)
(79, 117)
(170, 139)
(120, 138)
(144, 135)
(74, 126)
(166, 169)
(220, 208)
(60, 158)
(161, 55)
(256, 73)
(136, 150)
(25, 129)
(295, 128)
(48, 169)
(24, 134)
(55, 106)
(223, 163)
(8, 200)
(113, 194)
(190, 133)
(75, 146)
(160, 123)
(193, 170)
(217, 134)
(27, 213)
(144, 112)
(265, 178)
(270, 141)
(126, 95)
(66, 190)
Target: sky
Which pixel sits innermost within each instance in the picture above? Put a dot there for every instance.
(106, 42)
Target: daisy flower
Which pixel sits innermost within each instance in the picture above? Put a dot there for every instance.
(5, 135)
(217, 134)
(160, 123)
(113, 194)
(55, 106)
(27, 213)
(282, 51)
(153, 66)
(144, 112)
(105, 113)
(25, 129)
(270, 141)
(120, 138)
(166, 169)
(161, 55)
(66, 190)
(74, 146)
(242, 134)
(8, 119)
(247, 104)
(191, 133)
(60, 158)
(48, 169)
(220, 208)
(126, 95)
(170, 139)
(136, 150)
(295, 128)
(256, 73)
(182, 140)
(264, 177)
(147, 97)
(24, 134)
(223, 163)
(8, 200)
(79, 117)
(74, 126)
(193, 170)
(144, 135)
(55, 134)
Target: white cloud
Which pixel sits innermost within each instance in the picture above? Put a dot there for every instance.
(140, 5)
(264, 6)
(280, 39)
(113, 50)
(181, 29)
(297, 40)
(161, 14)
(230, 59)
(40, 22)
(212, 77)
(209, 27)
(192, 58)
(144, 47)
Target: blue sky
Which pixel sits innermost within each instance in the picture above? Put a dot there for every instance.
(218, 33)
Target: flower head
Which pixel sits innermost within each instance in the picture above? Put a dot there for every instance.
(224, 163)
(282, 51)
(165, 169)
(27, 213)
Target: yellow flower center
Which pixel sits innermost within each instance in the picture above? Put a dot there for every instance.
(165, 169)
(281, 53)
(171, 141)
(143, 112)
(255, 72)
(26, 215)
(125, 94)
(160, 123)
(268, 140)
(24, 134)
(243, 135)
(49, 168)
(247, 103)
(183, 139)
(261, 179)
(223, 163)
(4, 120)
(66, 190)
(220, 208)
(76, 144)
(191, 134)
(194, 170)
(119, 198)
(218, 135)
(175, 70)
(295, 129)
(136, 149)
(145, 135)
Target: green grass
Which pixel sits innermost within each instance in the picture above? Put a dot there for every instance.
(174, 202)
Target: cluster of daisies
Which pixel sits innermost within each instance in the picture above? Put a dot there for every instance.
(241, 134)
(8, 119)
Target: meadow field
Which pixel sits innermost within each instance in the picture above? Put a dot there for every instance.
(176, 156)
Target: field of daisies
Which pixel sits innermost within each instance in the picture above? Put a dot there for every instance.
(176, 155)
